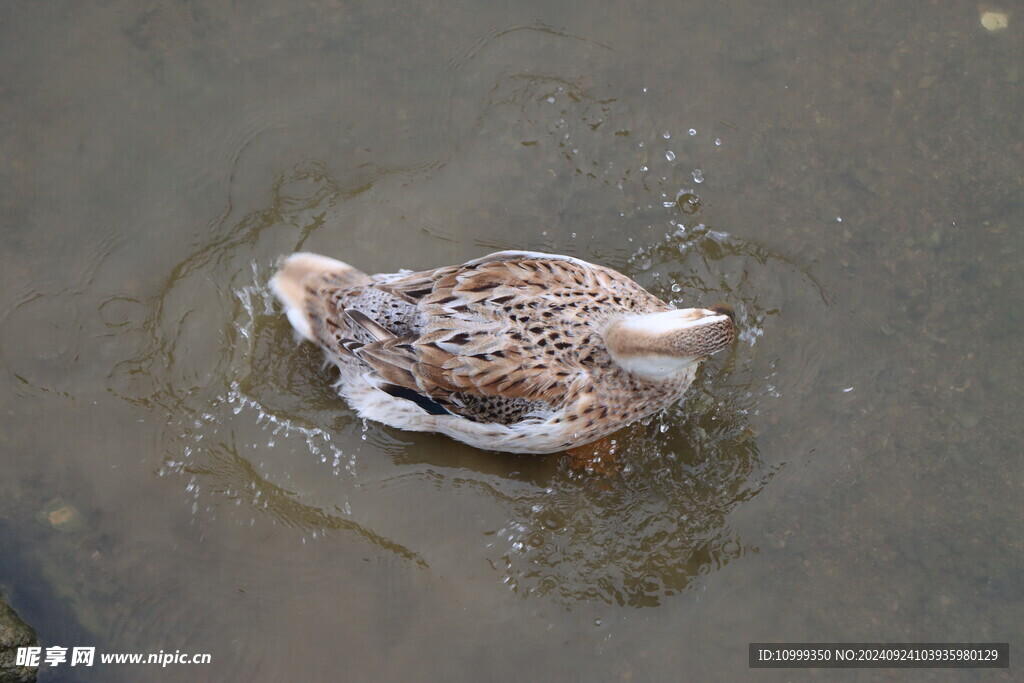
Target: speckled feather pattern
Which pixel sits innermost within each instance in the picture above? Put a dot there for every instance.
(504, 352)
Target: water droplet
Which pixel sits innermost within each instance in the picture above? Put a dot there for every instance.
(597, 622)
(551, 100)
(643, 169)
(839, 219)
(692, 131)
(666, 135)
(718, 142)
(670, 155)
(698, 175)
(676, 287)
(688, 202)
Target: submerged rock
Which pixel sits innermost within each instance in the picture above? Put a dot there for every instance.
(61, 515)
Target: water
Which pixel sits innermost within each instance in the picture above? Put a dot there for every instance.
(849, 471)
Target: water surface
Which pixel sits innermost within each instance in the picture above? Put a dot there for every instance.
(848, 178)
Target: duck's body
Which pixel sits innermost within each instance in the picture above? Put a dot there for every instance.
(517, 351)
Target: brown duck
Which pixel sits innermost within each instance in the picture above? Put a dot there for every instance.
(518, 351)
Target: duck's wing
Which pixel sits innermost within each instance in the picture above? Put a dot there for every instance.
(494, 269)
(498, 329)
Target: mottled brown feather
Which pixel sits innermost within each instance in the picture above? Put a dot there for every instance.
(519, 326)
(507, 351)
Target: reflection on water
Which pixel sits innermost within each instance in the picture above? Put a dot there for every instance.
(644, 533)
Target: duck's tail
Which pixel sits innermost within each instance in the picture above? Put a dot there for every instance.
(303, 275)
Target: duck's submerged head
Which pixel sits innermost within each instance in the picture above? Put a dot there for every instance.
(658, 346)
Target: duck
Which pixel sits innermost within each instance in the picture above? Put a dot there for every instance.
(516, 351)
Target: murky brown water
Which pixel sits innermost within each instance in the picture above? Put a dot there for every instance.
(850, 471)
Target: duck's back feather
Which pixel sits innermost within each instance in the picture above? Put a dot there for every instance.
(501, 339)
